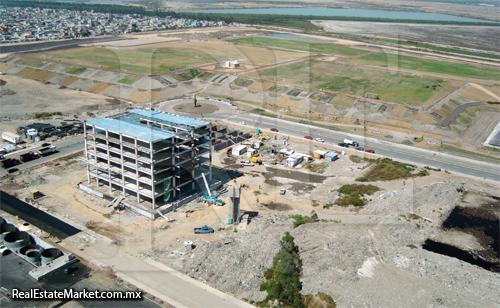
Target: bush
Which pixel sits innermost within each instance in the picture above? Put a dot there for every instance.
(46, 114)
(362, 179)
(300, 220)
(353, 192)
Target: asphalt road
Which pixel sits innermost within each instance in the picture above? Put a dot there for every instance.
(63, 44)
(64, 147)
(383, 148)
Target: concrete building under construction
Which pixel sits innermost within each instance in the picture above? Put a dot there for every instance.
(153, 156)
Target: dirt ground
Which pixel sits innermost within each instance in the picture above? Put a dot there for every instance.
(34, 97)
(305, 191)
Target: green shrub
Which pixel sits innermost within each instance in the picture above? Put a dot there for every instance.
(46, 114)
(300, 220)
(353, 192)
(362, 179)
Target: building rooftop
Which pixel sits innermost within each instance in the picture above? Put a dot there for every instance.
(129, 124)
(170, 118)
(134, 130)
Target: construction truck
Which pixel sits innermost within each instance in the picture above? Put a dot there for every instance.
(351, 142)
(46, 151)
(28, 157)
(9, 162)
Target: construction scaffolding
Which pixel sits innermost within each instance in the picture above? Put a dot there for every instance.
(154, 156)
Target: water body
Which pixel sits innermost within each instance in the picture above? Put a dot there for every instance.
(322, 11)
(296, 37)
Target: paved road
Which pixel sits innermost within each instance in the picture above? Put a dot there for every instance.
(458, 111)
(64, 147)
(4, 48)
(386, 149)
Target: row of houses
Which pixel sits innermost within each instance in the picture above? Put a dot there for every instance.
(34, 24)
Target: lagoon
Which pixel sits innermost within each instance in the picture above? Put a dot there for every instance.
(322, 11)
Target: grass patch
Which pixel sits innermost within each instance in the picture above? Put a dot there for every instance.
(461, 152)
(319, 168)
(352, 194)
(34, 63)
(387, 169)
(205, 75)
(129, 79)
(428, 66)
(46, 114)
(76, 70)
(301, 45)
(354, 80)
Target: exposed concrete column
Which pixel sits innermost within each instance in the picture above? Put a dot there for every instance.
(210, 155)
(123, 162)
(95, 156)
(109, 163)
(174, 168)
(153, 188)
(137, 170)
(86, 149)
(234, 202)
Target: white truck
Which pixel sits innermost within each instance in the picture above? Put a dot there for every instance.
(12, 138)
(47, 151)
(351, 142)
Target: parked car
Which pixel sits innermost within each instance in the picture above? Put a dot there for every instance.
(203, 230)
(12, 170)
(247, 163)
(370, 151)
(320, 140)
(308, 137)
(360, 148)
(343, 144)
(274, 130)
(282, 191)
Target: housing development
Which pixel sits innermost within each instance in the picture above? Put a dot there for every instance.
(284, 162)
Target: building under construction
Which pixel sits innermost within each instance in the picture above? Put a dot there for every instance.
(153, 156)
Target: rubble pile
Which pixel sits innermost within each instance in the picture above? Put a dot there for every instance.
(237, 267)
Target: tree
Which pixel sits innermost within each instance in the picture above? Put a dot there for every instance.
(283, 278)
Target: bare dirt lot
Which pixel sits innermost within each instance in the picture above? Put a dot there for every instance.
(34, 97)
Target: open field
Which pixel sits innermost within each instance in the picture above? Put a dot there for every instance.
(354, 80)
(301, 45)
(446, 89)
(399, 123)
(261, 86)
(68, 81)
(145, 96)
(422, 65)
(36, 74)
(399, 111)
(284, 101)
(423, 117)
(130, 79)
(168, 56)
(476, 94)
